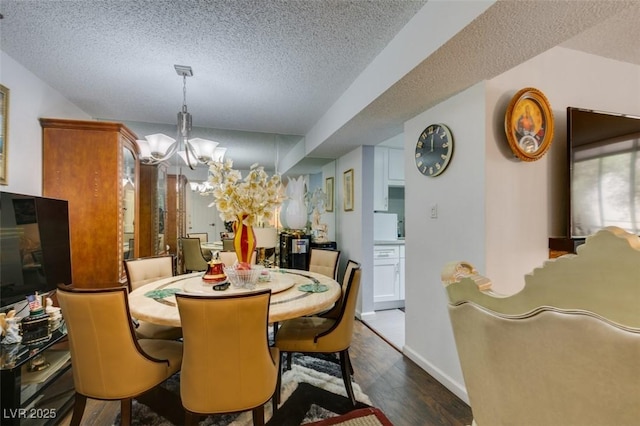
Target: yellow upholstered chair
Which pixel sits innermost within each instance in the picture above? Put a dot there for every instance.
(325, 262)
(109, 363)
(203, 236)
(325, 335)
(230, 257)
(192, 254)
(142, 271)
(227, 244)
(334, 312)
(228, 365)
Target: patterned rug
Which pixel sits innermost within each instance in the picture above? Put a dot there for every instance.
(312, 390)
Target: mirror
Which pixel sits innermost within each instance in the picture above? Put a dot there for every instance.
(161, 192)
(128, 202)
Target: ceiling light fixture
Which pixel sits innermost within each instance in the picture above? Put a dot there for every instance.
(158, 147)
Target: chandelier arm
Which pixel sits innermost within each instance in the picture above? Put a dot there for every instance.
(190, 155)
(172, 150)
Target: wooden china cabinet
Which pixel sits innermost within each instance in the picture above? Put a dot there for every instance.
(94, 165)
(176, 223)
(153, 209)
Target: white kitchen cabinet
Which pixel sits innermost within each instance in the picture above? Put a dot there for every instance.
(386, 273)
(395, 169)
(402, 272)
(380, 183)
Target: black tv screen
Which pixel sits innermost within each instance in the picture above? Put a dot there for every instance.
(604, 171)
(35, 253)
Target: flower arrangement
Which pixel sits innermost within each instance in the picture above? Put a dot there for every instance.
(253, 199)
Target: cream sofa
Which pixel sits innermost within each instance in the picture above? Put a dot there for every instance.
(563, 351)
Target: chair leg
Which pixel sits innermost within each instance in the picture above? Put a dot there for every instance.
(288, 360)
(191, 418)
(276, 394)
(346, 377)
(258, 416)
(125, 411)
(78, 409)
(350, 365)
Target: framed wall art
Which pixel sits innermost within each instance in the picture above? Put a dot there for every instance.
(4, 132)
(347, 187)
(328, 189)
(528, 124)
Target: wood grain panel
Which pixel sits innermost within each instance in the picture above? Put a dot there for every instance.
(83, 163)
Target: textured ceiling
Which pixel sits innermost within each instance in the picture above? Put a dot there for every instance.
(273, 68)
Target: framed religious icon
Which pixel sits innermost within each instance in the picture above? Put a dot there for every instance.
(347, 187)
(4, 123)
(528, 124)
(328, 189)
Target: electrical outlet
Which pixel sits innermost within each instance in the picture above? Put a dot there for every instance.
(434, 211)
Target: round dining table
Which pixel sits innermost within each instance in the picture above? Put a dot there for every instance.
(294, 293)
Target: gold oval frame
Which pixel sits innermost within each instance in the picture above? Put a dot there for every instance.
(529, 124)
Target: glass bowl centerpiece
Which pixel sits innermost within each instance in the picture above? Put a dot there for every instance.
(244, 201)
(241, 276)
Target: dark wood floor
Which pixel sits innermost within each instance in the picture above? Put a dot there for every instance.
(402, 390)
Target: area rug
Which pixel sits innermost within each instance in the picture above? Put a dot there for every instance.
(312, 390)
(369, 416)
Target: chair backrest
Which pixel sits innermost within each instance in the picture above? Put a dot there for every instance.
(227, 365)
(227, 244)
(192, 255)
(105, 354)
(325, 262)
(567, 345)
(230, 257)
(130, 254)
(147, 269)
(338, 337)
(203, 236)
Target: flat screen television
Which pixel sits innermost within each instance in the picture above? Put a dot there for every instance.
(35, 253)
(604, 171)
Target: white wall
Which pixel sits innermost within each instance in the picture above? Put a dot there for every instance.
(29, 99)
(457, 233)
(526, 201)
(353, 228)
(494, 211)
(329, 170)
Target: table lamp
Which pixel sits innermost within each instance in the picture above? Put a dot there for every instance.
(266, 242)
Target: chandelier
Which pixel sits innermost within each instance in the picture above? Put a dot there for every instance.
(159, 147)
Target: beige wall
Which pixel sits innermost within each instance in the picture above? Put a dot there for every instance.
(30, 99)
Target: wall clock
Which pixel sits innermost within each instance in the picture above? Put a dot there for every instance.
(434, 150)
(528, 124)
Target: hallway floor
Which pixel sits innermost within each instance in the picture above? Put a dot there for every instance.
(389, 324)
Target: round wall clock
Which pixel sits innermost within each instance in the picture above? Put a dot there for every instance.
(528, 124)
(434, 150)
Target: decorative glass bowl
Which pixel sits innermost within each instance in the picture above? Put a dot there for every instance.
(243, 278)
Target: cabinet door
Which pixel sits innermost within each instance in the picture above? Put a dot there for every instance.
(380, 184)
(385, 281)
(396, 167)
(386, 270)
(401, 275)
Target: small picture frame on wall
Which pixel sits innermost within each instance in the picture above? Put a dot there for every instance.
(4, 124)
(347, 181)
(328, 189)
(528, 124)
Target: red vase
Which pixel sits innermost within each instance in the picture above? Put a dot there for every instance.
(244, 240)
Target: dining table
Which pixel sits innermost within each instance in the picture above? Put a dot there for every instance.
(294, 293)
(208, 248)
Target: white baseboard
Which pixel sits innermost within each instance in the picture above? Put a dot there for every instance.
(363, 316)
(457, 388)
